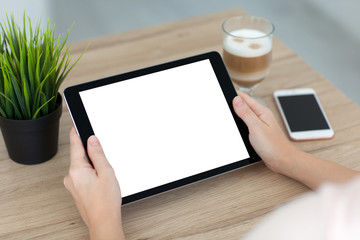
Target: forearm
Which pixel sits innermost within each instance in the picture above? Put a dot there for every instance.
(313, 171)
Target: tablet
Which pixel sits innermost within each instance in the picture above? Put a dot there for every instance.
(164, 126)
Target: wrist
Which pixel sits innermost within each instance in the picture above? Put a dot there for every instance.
(109, 227)
(108, 232)
(288, 164)
(299, 166)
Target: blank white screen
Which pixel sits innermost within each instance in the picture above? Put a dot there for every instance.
(164, 126)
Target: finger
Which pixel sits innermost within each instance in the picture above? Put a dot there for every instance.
(97, 155)
(263, 113)
(255, 106)
(245, 112)
(77, 152)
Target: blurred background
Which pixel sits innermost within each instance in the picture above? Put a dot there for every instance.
(326, 34)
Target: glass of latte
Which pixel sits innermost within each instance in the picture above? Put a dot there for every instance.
(247, 49)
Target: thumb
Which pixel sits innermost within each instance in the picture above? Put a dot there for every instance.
(97, 155)
(245, 112)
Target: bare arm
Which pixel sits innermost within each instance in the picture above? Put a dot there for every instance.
(313, 171)
(279, 154)
(97, 194)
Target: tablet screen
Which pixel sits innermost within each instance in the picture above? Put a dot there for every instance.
(164, 126)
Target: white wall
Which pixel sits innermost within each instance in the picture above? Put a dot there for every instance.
(345, 12)
(35, 9)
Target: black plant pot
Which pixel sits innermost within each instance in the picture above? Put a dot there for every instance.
(32, 141)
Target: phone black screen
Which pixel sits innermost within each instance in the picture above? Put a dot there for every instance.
(303, 113)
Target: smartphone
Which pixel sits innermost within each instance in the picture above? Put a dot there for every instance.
(303, 115)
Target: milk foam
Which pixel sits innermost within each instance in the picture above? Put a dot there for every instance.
(248, 44)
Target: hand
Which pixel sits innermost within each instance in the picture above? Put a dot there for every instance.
(95, 190)
(265, 134)
(277, 151)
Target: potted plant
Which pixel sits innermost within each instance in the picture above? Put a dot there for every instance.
(33, 65)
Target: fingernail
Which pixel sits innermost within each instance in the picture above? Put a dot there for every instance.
(93, 141)
(238, 101)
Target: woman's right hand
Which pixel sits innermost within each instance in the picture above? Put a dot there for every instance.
(95, 190)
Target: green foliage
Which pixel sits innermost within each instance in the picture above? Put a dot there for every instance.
(33, 65)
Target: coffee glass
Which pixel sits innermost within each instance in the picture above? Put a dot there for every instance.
(247, 50)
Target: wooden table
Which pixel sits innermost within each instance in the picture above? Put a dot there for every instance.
(35, 205)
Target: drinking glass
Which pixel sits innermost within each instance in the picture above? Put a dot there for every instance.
(247, 50)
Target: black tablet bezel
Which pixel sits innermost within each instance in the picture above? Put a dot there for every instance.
(84, 129)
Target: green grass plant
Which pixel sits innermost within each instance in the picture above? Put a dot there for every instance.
(33, 65)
